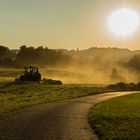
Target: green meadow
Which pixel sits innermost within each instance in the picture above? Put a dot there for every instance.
(117, 119)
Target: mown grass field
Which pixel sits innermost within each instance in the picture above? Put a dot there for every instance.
(22, 95)
(117, 119)
(66, 76)
(8, 75)
(15, 96)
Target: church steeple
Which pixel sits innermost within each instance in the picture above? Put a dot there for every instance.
(77, 49)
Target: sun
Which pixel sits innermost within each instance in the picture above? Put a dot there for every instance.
(123, 22)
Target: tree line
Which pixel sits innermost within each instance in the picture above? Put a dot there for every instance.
(33, 56)
(45, 57)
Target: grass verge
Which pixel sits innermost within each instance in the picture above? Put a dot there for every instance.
(117, 119)
(18, 96)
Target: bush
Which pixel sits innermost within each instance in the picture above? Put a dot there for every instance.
(121, 86)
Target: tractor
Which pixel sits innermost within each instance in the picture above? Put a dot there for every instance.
(31, 74)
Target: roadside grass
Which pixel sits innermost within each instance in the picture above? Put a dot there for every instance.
(117, 119)
(22, 95)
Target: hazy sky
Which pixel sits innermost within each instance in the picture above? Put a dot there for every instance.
(63, 23)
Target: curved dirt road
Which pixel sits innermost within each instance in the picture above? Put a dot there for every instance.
(60, 121)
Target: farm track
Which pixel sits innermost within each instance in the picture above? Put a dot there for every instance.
(65, 120)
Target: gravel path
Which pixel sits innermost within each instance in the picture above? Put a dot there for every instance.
(65, 120)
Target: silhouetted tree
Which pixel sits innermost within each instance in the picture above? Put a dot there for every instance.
(41, 56)
(4, 52)
(134, 63)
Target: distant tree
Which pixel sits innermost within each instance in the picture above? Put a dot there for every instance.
(41, 56)
(134, 63)
(26, 55)
(4, 52)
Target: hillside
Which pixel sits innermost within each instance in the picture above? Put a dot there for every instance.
(115, 54)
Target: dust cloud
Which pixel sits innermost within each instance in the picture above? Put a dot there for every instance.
(92, 74)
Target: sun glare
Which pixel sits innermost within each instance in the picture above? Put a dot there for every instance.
(123, 22)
